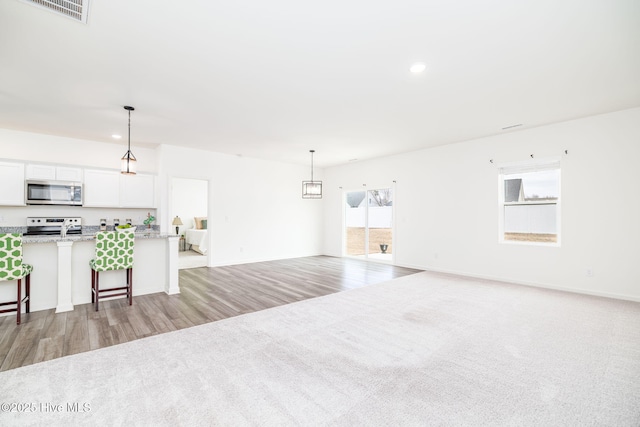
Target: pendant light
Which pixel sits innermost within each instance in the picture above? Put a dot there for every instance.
(128, 161)
(312, 189)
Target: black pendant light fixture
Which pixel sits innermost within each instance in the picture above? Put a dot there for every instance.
(312, 189)
(128, 161)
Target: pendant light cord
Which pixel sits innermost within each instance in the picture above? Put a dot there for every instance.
(129, 109)
(129, 142)
(128, 165)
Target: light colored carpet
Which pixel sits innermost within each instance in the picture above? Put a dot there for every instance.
(191, 259)
(425, 349)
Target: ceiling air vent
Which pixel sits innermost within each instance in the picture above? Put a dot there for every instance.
(74, 9)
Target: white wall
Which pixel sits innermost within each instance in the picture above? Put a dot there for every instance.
(39, 148)
(189, 199)
(446, 206)
(256, 210)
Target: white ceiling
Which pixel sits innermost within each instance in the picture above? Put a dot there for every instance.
(273, 79)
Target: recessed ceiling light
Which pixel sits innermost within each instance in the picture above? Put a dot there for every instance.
(114, 136)
(418, 67)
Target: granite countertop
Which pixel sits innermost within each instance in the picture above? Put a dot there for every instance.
(89, 236)
(88, 233)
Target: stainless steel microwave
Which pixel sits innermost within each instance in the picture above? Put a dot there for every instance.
(53, 193)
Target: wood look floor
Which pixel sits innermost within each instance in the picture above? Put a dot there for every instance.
(206, 295)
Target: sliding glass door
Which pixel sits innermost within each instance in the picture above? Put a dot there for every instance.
(368, 223)
(355, 224)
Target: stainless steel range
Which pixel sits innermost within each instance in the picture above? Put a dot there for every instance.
(50, 226)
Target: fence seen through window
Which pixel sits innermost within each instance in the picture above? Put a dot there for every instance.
(530, 203)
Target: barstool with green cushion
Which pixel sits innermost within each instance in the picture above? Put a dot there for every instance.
(114, 251)
(12, 268)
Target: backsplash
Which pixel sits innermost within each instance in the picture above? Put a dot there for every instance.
(13, 219)
(16, 216)
(86, 229)
(90, 229)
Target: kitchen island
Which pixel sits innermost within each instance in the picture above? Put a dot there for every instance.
(61, 275)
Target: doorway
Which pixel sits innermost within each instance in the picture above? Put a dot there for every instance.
(189, 205)
(368, 232)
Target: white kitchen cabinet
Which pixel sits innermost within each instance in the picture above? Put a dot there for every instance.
(53, 173)
(43, 172)
(101, 188)
(137, 191)
(64, 173)
(111, 189)
(12, 180)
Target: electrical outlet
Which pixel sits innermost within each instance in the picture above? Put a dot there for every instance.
(589, 272)
(1, 218)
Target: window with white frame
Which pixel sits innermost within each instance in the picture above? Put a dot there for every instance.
(530, 203)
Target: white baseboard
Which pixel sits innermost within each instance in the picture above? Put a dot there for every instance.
(253, 260)
(526, 283)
